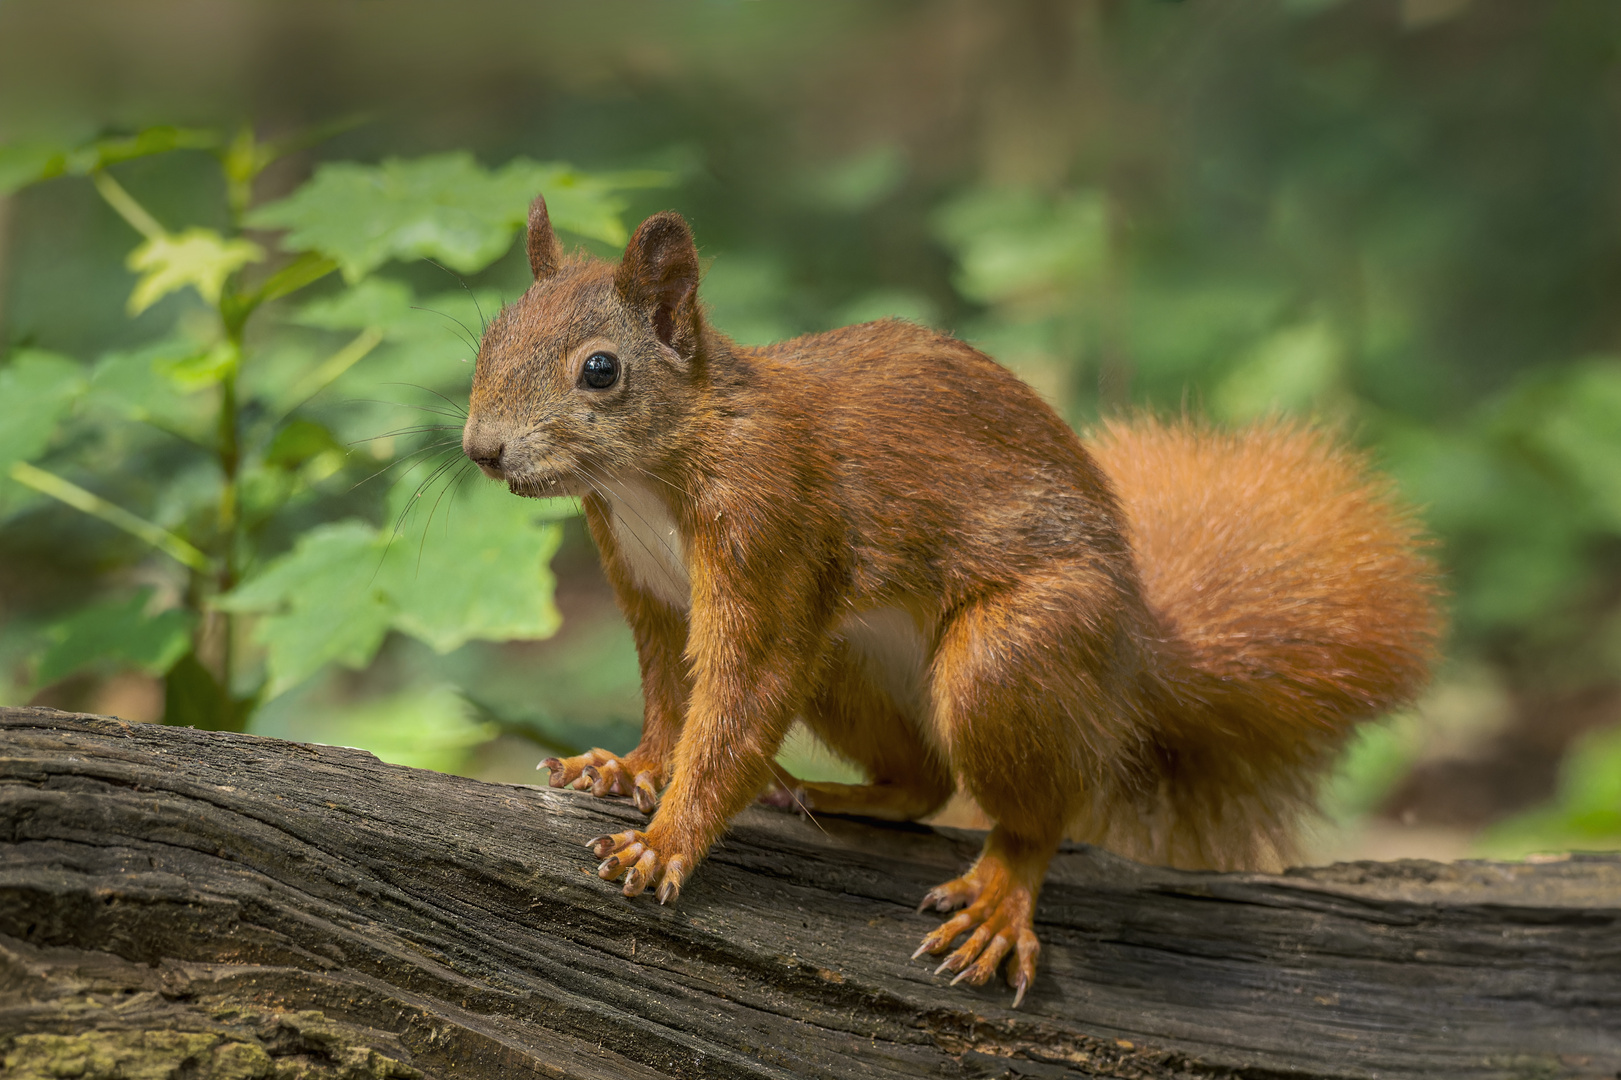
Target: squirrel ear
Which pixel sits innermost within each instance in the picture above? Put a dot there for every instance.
(659, 274)
(544, 251)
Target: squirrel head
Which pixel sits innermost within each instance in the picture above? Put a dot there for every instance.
(591, 374)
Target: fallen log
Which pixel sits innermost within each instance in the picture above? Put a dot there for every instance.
(203, 905)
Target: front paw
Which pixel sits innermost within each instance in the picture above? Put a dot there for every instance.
(629, 853)
(606, 774)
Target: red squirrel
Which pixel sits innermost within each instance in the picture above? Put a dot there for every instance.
(1153, 643)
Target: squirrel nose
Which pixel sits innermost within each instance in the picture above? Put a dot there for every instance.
(487, 458)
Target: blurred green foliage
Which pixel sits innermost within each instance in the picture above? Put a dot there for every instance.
(248, 449)
(1585, 813)
(1396, 216)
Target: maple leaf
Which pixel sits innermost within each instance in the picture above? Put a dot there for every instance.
(200, 258)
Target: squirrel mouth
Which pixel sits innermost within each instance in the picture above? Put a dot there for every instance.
(542, 486)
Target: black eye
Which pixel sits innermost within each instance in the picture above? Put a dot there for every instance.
(601, 371)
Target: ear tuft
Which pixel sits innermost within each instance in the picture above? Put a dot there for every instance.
(545, 253)
(659, 275)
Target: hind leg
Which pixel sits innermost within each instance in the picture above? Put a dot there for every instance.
(1029, 697)
(861, 723)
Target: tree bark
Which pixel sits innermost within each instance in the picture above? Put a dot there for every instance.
(179, 903)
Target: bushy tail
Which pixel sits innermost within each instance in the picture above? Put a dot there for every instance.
(1297, 600)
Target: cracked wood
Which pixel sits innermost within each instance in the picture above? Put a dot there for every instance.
(292, 905)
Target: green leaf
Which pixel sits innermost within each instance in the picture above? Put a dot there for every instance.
(860, 182)
(391, 307)
(116, 633)
(200, 258)
(586, 204)
(482, 572)
(298, 442)
(1585, 813)
(133, 385)
(1581, 428)
(29, 162)
(477, 571)
(188, 374)
(375, 302)
(426, 727)
(325, 600)
(1015, 246)
(447, 207)
(111, 149)
(1291, 371)
(37, 389)
(22, 164)
(307, 269)
(750, 296)
(424, 338)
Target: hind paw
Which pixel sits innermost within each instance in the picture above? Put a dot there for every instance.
(604, 773)
(999, 919)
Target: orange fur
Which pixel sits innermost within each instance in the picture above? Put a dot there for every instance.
(1154, 645)
(1298, 592)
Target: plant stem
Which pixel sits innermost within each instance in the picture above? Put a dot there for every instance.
(333, 366)
(47, 483)
(128, 209)
(230, 459)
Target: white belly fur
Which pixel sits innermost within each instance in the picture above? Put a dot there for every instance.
(891, 650)
(650, 542)
(885, 641)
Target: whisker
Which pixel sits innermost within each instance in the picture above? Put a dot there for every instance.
(484, 324)
(467, 340)
(460, 411)
(783, 778)
(422, 545)
(621, 505)
(672, 485)
(410, 503)
(402, 460)
(406, 431)
(402, 405)
(462, 476)
(405, 511)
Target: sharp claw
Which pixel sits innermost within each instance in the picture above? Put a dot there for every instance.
(633, 881)
(552, 763)
(591, 771)
(961, 975)
(921, 949)
(668, 892)
(599, 842)
(609, 865)
(945, 964)
(928, 898)
(1018, 990)
(643, 793)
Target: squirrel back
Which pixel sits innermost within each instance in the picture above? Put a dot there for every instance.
(1295, 598)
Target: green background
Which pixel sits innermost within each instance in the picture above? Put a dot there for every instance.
(1397, 216)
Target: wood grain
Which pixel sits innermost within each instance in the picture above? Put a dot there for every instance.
(231, 906)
